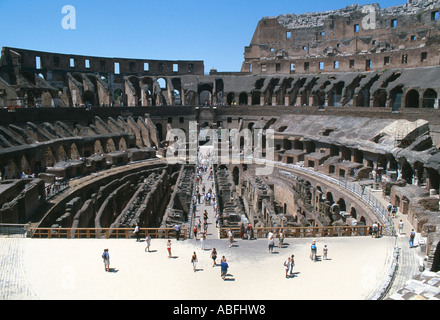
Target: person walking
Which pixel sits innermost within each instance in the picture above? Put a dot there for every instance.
(202, 241)
(412, 236)
(249, 231)
(214, 257)
(292, 263)
(287, 266)
(400, 227)
(231, 237)
(136, 232)
(169, 248)
(148, 241)
(224, 268)
(281, 240)
(324, 252)
(195, 232)
(177, 227)
(194, 261)
(242, 229)
(271, 242)
(106, 259)
(313, 249)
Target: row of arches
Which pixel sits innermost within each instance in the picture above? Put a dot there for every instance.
(37, 159)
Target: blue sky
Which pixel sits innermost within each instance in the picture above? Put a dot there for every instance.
(213, 31)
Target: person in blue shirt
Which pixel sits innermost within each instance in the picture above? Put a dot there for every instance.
(224, 268)
(313, 251)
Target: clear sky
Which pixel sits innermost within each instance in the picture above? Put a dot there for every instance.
(213, 31)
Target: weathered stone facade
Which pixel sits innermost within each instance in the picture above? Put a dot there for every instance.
(356, 38)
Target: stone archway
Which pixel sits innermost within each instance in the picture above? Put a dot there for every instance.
(412, 99)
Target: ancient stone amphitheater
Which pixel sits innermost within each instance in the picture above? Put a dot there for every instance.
(349, 109)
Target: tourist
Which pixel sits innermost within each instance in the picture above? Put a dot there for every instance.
(136, 232)
(177, 228)
(249, 231)
(271, 242)
(214, 257)
(231, 237)
(324, 252)
(242, 231)
(400, 227)
(106, 259)
(217, 219)
(195, 232)
(194, 261)
(374, 232)
(281, 236)
(287, 266)
(412, 236)
(202, 241)
(292, 263)
(394, 211)
(148, 240)
(169, 248)
(224, 268)
(313, 250)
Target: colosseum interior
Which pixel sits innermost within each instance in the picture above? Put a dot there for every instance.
(83, 139)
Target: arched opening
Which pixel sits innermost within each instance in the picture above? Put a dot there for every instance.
(329, 197)
(341, 204)
(337, 94)
(50, 158)
(407, 172)
(62, 155)
(162, 83)
(396, 98)
(205, 93)
(380, 98)
(118, 97)
(358, 156)
(97, 147)
(74, 154)
(230, 98)
(24, 164)
(110, 146)
(256, 98)
(11, 171)
(88, 98)
(412, 99)
(190, 98)
(177, 97)
(353, 212)
(122, 144)
(429, 98)
(345, 153)
(205, 98)
(243, 99)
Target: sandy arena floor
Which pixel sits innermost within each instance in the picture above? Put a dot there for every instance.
(73, 269)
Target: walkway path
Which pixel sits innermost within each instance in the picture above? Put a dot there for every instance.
(207, 182)
(409, 258)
